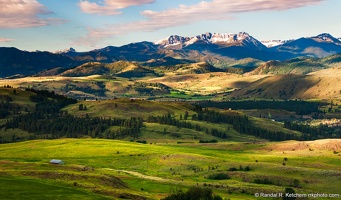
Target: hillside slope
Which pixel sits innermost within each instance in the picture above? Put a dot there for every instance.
(301, 65)
(120, 68)
(316, 85)
(14, 61)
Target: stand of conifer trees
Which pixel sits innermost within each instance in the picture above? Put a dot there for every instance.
(242, 124)
(300, 107)
(314, 132)
(6, 106)
(168, 119)
(49, 122)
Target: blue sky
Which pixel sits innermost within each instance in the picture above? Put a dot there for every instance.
(51, 25)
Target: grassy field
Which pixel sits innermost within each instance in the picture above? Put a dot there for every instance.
(121, 169)
(21, 188)
(171, 160)
(125, 108)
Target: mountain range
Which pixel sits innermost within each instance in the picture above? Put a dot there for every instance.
(219, 50)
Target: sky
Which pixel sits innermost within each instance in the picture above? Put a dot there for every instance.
(51, 25)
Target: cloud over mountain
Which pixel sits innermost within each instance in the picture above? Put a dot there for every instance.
(5, 40)
(24, 13)
(110, 7)
(184, 15)
(220, 9)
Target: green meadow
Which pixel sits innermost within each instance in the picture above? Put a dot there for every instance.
(99, 168)
(163, 159)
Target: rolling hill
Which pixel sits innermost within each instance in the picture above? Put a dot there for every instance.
(293, 66)
(193, 68)
(305, 78)
(120, 68)
(323, 84)
(301, 65)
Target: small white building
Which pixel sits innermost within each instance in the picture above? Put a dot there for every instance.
(56, 162)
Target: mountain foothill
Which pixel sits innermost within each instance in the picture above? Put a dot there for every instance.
(230, 55)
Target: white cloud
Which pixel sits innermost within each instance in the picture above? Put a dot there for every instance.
(184, 15)
(5, 40)
(110, 7)
(24, 13)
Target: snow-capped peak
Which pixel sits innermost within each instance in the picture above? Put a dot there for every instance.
(68, 50)
(223, 37)
(211, 38)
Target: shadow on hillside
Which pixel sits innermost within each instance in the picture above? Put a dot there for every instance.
(277, 87)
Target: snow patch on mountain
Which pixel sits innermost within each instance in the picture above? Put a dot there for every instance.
(173, 40)
(273, 43)
(325, 37)
(68, 50)
(191, 41)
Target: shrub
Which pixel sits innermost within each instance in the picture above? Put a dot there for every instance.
(296, 183)
(247, 168)
(263, 181)
(218, 176)
(194, 193)
(208, 141)
(233, 169)
(288, 191)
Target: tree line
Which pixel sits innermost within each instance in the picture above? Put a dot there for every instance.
(242, 124)
(300, 107)
(49, 122)
(7, 106)
(170, 120)
(60, 125)
(314, 132)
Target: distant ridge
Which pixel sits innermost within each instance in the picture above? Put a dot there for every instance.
(317, 46)
(220, 50)
(14, 61)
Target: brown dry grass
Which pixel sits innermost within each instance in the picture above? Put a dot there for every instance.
(320, 145)
(324, 84)
(208, 82)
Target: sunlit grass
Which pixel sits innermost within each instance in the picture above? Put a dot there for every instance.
(179, 165)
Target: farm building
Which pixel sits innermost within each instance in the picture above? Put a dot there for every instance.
(56, 162)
